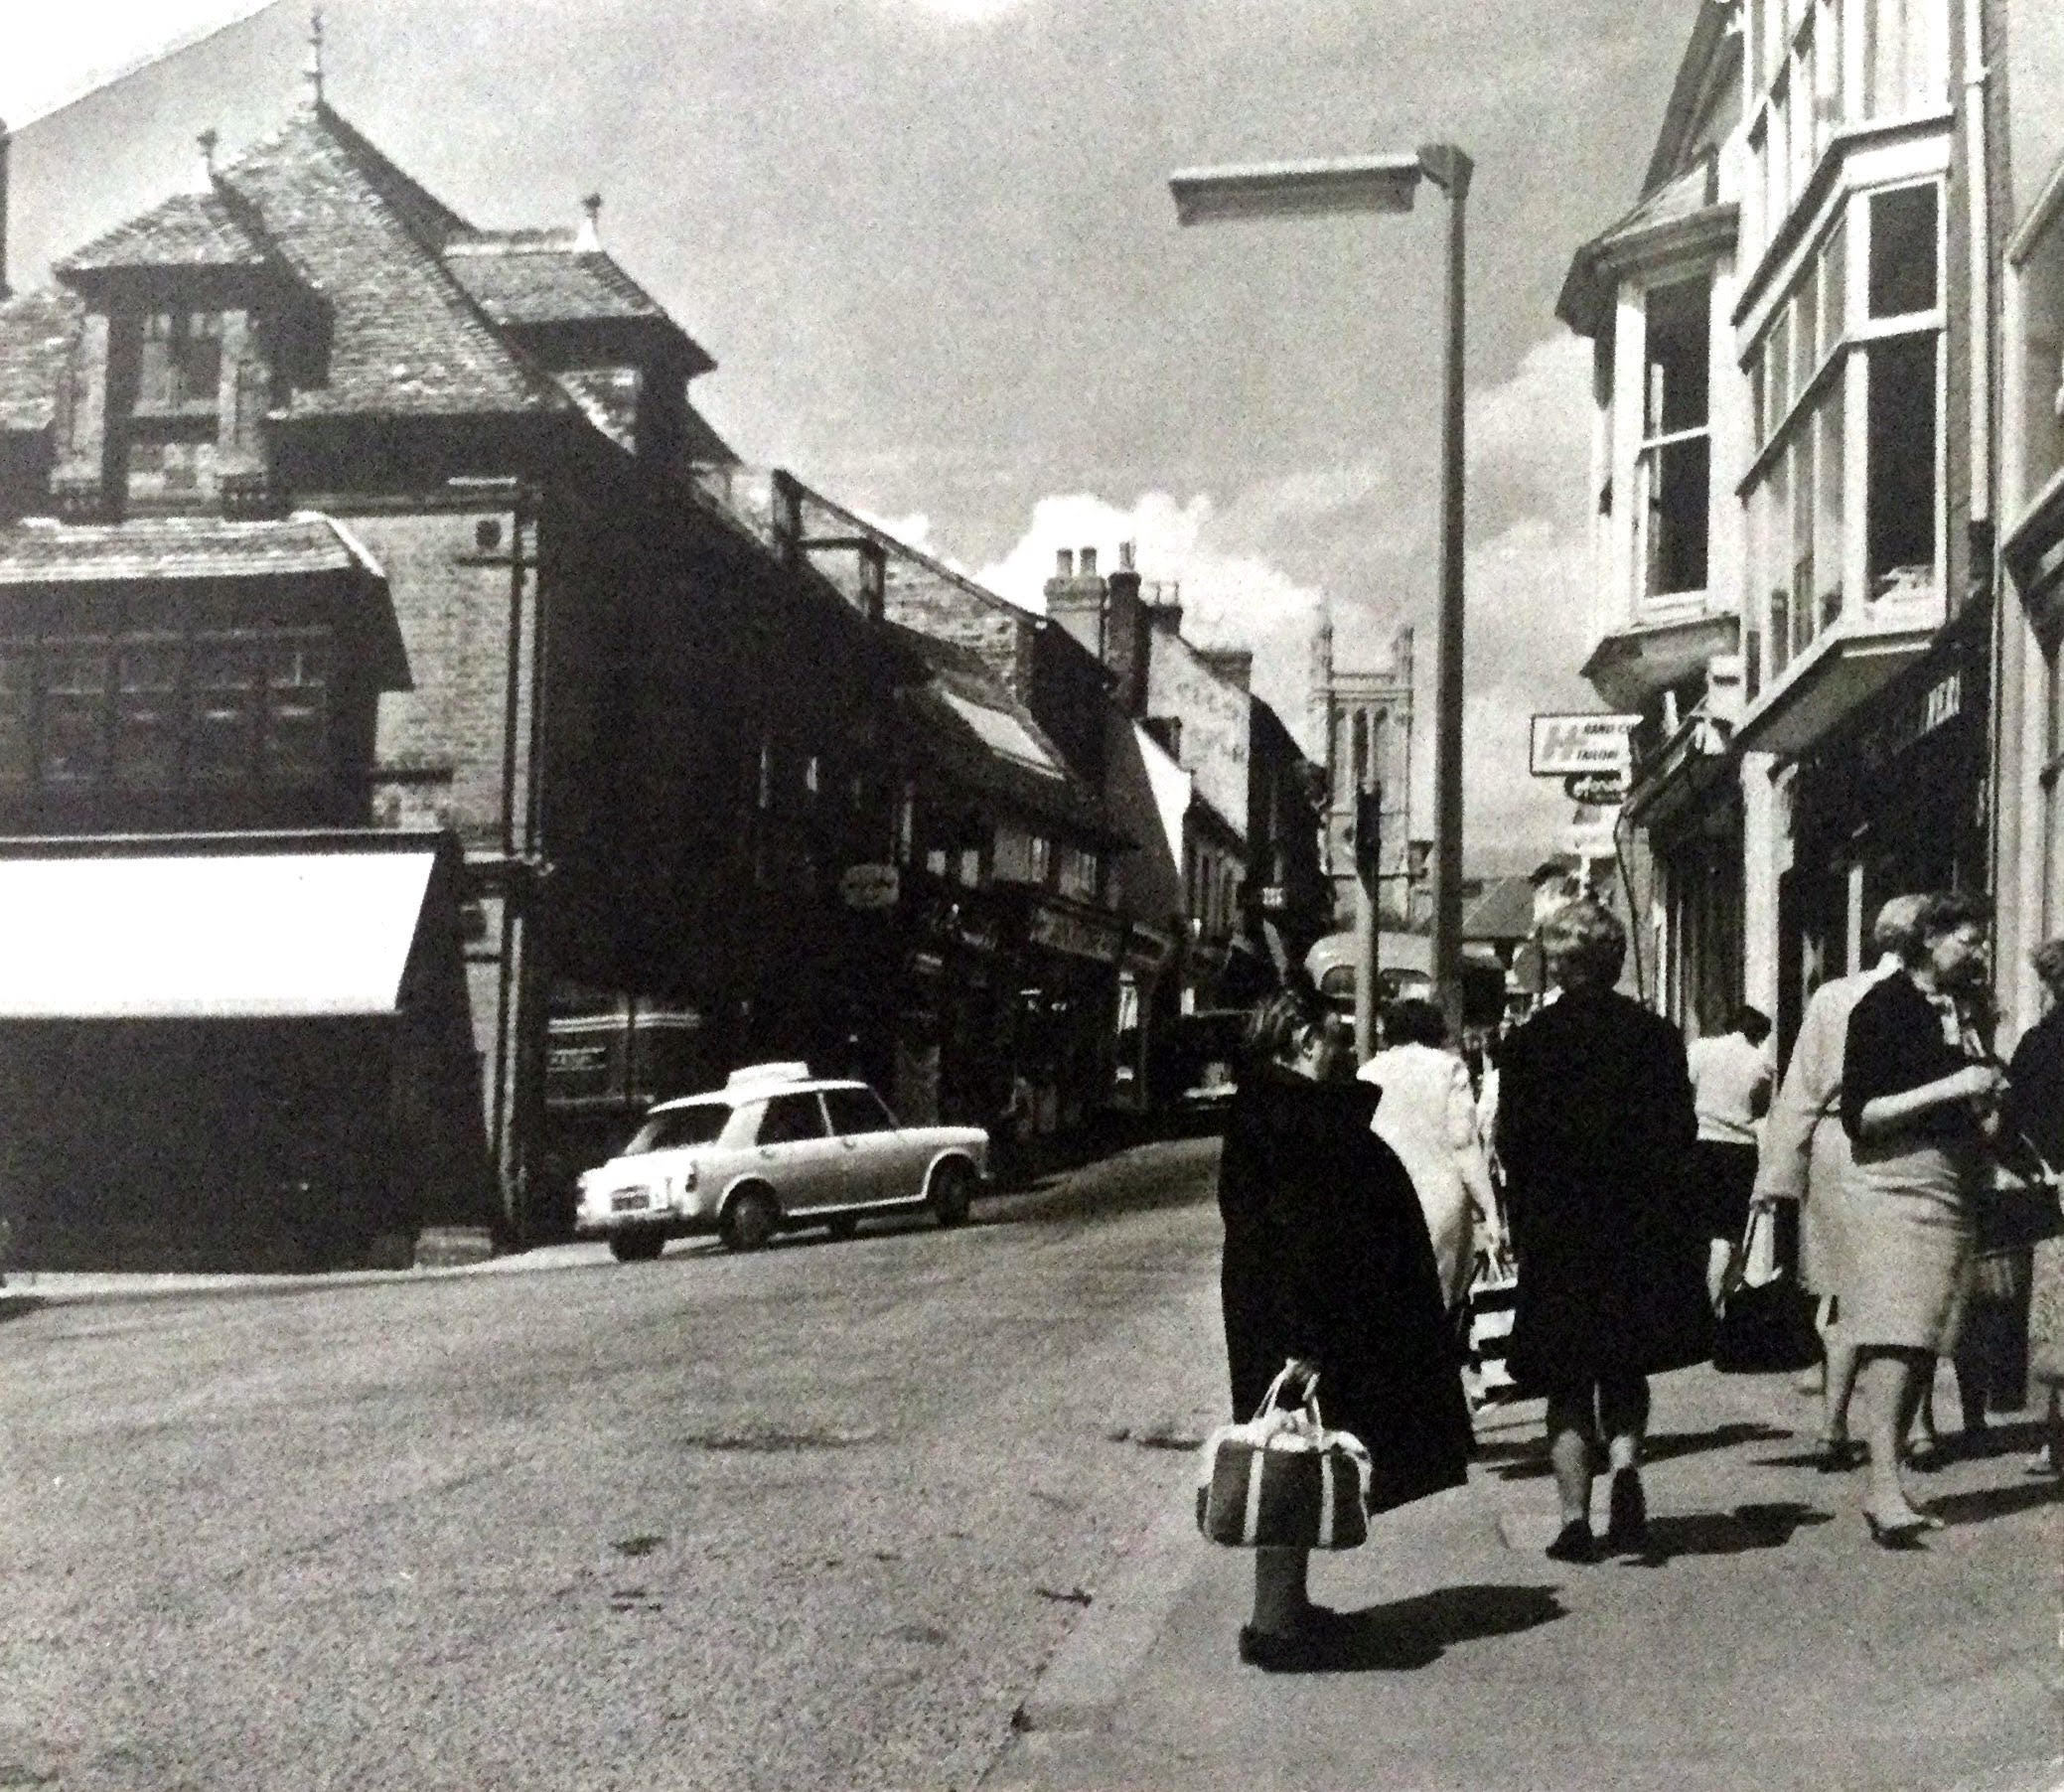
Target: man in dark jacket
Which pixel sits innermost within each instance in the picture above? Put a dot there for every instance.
(1595, 1126)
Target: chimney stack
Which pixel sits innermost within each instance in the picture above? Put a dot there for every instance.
(588, 238)
(1089, 563)
(1064, 564)
(1125, 556)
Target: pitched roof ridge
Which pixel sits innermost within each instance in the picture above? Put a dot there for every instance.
(395, 185)
(931, 562)
(522, 239)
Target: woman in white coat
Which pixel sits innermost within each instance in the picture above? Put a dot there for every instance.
(1428, 1115)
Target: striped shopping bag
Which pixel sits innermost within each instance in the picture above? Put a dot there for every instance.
(1283, 1481)
(1493, 1295)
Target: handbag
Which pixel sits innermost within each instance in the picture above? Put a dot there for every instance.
(1765, 1325)
(1282, 1481)
(2020, 1209)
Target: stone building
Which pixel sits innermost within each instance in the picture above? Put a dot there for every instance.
(1365, 720)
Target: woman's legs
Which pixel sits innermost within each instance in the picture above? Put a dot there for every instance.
(1572, 1432)
(1281, 1596)
(1623, 1415)
(1891, 1381)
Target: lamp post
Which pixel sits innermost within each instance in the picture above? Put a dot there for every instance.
(1388, 183)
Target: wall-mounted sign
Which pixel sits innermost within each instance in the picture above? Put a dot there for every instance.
(1564, 746)
(1077, 934)
(870, 887)
(1600, 789)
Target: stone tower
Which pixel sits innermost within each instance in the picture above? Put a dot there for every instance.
(1365, 722)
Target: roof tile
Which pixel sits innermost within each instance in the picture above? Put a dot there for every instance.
(407, 340)
(172, 547)
(37, 331)
(190, 230)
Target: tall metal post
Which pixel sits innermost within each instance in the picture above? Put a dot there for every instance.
(1450, 169)
(1368, 870)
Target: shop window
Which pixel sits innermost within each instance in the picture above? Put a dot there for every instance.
(968, 868)
(146, 715)
(181, 363)
(74, 712)
(1903, 252)
(17, 712)
(1673, 474)
(1901, 450)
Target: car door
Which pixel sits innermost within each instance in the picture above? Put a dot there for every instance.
(794, 1153)
(877, 1159)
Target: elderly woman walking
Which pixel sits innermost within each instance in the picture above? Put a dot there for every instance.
(1916, 1103)
(1428, 1115)
(1595, 1131)
(1327, 1266)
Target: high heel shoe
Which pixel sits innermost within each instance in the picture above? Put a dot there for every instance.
(1904, 1535)
(1837, 1456)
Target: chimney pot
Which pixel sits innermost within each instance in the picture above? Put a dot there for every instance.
(589, 237)
(1064, 564)
(1089, 563)
(1125, 556)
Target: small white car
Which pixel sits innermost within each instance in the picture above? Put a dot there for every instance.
(775, 1148)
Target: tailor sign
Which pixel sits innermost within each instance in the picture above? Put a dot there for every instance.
(1576, 746)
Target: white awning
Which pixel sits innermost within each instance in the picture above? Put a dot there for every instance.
(207, 935)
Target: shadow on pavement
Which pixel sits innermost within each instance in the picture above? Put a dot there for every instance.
(19, 1306)
(1416, 1632)
(1994, 1502)
(1529, 1460)
(1753, 1527)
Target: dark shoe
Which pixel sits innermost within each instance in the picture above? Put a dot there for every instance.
(1927, 1455)
(1837, 1456)
(1627, 1521)
(1574, 1543)
(1301, 1651)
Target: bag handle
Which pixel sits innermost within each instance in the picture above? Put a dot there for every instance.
(1309, 1408)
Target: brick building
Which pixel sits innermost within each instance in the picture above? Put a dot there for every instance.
(331, 511)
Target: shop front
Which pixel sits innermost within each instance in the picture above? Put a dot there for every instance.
(1893, 802)
(1064, 1042)
(231, 1052)
(1686, 806)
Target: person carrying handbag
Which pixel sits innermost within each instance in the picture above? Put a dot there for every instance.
(1328, 1272)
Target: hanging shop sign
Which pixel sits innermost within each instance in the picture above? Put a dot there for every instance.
(870, 888)
(1600, 789)
(1568, 746)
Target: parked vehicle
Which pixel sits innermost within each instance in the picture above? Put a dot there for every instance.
(776, 1149)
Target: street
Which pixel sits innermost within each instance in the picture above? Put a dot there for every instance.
(812, 1517)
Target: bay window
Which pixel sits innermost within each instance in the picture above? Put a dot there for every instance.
(1840, 377)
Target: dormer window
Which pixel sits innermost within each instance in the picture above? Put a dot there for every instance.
(181, 365)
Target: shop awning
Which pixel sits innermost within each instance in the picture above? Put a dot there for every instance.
(154, 934)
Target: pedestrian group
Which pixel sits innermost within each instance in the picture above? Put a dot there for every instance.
(1359, 1207)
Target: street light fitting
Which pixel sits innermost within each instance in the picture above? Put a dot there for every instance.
(1311, 188)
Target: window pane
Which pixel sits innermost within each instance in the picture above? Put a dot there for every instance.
(1835, 267)
(146, 734)
(1805, 328)
(1679, 322)
(74, 712)
(296, 710)
(1803, 585)
(17, 712)
(1901, 465)
(225, 709)
(1828, 508)
(857, 1110)
(1902, 251)
(1780, 353)
(789, 1119)
(1778, 561)
(1677, 490)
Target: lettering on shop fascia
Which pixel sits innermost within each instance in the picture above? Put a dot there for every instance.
(1075, 936)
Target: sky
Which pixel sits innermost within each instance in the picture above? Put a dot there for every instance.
(930, 244)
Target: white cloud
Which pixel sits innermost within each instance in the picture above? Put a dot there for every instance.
(1527, 581)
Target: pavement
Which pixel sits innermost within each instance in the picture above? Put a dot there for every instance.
(1764, 1641)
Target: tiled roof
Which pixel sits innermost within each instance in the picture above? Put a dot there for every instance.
(37, 331)
(943, 732)
(190, 230)
(407, 340)
(543, 277)
(172, 547)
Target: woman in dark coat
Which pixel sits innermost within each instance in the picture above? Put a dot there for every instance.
(1328, 1266)
(1595, 1126)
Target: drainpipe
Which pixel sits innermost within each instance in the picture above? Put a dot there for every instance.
(1979, 176)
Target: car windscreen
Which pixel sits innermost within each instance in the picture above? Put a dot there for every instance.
(676, 1127)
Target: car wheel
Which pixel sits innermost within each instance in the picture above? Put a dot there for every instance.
(751, 1219)
(636, 1247)
(952, 1192)
(842, 1228)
